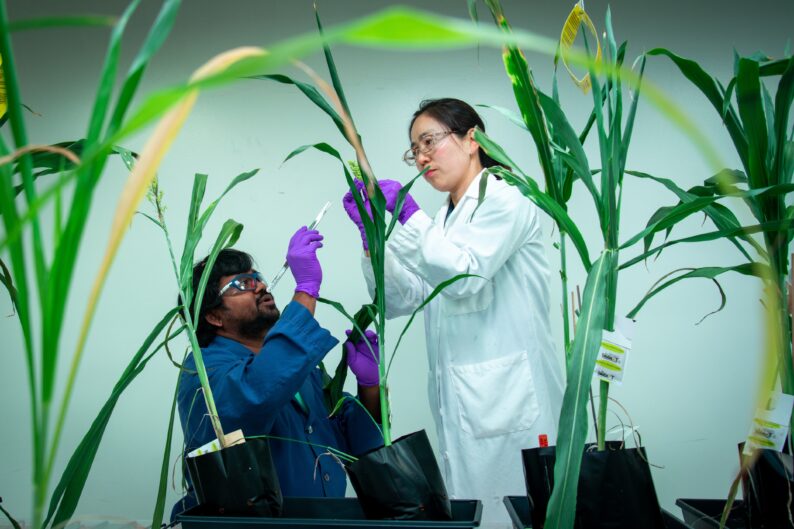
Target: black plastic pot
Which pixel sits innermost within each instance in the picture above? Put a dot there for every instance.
(706, 514)
(401, 481)
(767, 489)
(615, 488)
(521, 515)
(238, 480)
(317, 513)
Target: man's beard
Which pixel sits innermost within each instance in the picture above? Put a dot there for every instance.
(258, 326)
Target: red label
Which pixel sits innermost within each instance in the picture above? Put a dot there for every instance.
(543, 440)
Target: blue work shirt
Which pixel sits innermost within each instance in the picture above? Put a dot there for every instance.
(256, 393)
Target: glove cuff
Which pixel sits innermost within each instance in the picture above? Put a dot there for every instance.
(312, 290)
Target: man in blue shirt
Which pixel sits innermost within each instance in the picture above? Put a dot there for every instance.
(262, 367)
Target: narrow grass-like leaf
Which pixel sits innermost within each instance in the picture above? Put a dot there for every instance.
(154, 41)
(398, 205)
(162, 487)
(751, 111)
(15, 524)
(530, 189)
(722, 217)
(333, 388)
(509, 114)
(70, 486)
(8, 282)
(312, 93)
(572, 429)
(329, 61)
(706, 272)
(773, 226)
(708, 86)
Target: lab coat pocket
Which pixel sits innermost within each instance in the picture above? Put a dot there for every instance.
(474, 303)
(497, 396)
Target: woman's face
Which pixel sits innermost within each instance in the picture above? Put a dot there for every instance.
(451, 159)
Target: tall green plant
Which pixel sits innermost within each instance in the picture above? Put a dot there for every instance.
(760, 127)
(377, 230)
(183, 270)
(53, 267)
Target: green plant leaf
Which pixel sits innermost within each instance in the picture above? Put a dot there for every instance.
(708, 86)
(154, 41)
(529, 188)
(162, 487)
(329, 61)
(572, 430)
(773, 226)
(751, 110)
(312, 93)
(783, 101)
(70, 486)
(706, 272)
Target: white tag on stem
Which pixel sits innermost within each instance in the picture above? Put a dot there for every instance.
(770, 426)
(615, 347)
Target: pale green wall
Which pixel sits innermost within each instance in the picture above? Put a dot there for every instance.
(689, 389)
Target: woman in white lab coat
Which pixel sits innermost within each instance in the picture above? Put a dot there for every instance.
(495, 384)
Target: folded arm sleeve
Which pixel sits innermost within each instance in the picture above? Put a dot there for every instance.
(481, 246)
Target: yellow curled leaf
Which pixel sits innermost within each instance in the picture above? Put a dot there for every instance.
(570, 30)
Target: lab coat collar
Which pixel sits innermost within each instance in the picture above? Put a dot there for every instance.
(473, 191)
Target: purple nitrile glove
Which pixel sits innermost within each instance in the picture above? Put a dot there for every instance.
(360, 359)
(390, 188)
(349, 203)
(302, 260)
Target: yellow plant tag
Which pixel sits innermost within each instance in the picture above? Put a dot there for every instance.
(3, 98)
(615, 347)
(570, 30)
(770, 424)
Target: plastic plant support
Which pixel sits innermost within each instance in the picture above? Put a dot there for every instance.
(770, 426)
(232, 439)
(615, 347)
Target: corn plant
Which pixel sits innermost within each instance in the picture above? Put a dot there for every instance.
(376, 227)
(560, 154)
(762, 133)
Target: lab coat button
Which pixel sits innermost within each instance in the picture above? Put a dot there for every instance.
(326, 477)
(309, 429)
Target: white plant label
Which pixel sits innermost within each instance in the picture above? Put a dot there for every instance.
(213, 446)
(615, 347)
(770, 426)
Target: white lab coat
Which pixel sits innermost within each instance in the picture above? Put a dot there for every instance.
(495, 382)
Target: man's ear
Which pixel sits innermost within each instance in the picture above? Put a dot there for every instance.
(213, 317)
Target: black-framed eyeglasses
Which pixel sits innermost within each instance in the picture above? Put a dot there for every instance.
(427, 142)
(243, 283)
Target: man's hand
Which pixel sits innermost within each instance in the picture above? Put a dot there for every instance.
(303, 262)
(390, 189)
(362, 360)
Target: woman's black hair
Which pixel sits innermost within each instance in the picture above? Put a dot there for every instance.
(458, 116)
(229, 262)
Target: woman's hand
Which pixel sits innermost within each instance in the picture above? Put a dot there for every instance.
(362, 361)
(390, 189)
(349, 203)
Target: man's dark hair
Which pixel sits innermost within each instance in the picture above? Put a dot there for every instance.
(458, 116)
(228, 262)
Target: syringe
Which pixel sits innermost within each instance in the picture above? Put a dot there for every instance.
(284, 268)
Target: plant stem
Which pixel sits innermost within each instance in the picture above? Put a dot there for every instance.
(564, 277)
